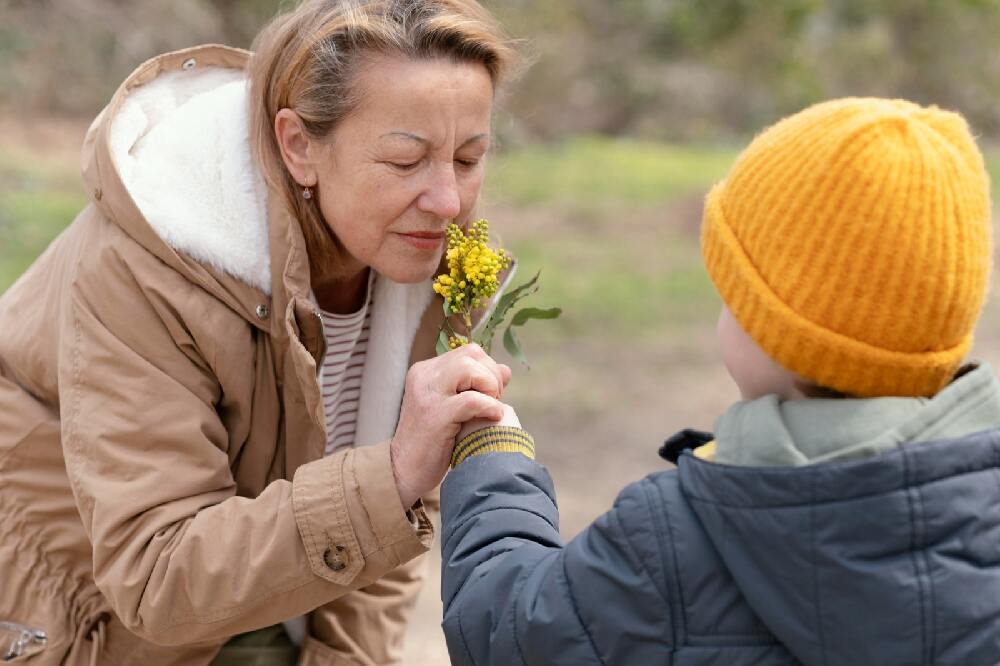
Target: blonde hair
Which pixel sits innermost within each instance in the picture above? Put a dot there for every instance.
(306, 60)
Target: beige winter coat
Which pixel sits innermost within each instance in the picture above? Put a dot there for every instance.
(162, 479)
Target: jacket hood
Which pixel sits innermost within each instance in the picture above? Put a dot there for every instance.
(893, 554)
(181, 145)
(770, 431)
(173, 145)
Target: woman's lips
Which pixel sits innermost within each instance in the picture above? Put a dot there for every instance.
(424, 240)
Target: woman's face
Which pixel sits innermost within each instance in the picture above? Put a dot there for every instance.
(406, 163)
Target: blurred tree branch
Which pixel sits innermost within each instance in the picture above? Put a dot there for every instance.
(675, 69)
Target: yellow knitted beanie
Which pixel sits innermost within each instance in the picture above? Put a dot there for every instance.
(852, 242)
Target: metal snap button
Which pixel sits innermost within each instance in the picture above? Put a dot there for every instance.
(190, 63)
(263, 311)
(336, 558)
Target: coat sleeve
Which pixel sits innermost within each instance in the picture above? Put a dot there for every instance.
(368, 626)
(178, 554)
(514, 594)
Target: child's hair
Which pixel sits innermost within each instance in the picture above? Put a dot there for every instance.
(852, 242)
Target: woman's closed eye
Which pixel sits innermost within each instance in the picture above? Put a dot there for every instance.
(404, 165)
(467, 163)
(462, 163)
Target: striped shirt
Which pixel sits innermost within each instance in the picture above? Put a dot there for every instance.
(340, 376)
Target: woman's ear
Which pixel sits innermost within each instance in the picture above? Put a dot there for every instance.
(294, 145)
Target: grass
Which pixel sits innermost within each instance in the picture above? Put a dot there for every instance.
(637, 288)
(21, 242)
(611, 251)
(594, 171)
(993, 166)
(638, 283)
(39, 196)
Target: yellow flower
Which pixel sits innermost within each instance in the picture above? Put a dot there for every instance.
(473, 267)
(471, 281)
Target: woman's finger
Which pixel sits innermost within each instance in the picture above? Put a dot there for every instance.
(473, 350)
(464, 374)
(473, 405)
(506, 373)
(503, 373)
(482, 379)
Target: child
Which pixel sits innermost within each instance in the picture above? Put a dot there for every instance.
(851, 514)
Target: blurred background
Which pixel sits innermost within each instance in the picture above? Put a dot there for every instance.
(607, 145)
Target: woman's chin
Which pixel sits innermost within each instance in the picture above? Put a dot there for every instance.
(409, 272)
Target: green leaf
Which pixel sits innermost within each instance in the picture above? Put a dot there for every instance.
(510, 341)
(442, 343)
(513, 346)
(506, 302)
(517, 293)
(527, 314)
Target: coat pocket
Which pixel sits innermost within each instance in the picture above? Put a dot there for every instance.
(19, 642)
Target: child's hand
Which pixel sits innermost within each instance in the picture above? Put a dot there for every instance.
(441, 394)
(509, 419)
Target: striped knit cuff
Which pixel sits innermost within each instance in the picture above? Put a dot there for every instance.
(493, 439)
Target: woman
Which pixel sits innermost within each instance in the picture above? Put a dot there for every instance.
(187, 450)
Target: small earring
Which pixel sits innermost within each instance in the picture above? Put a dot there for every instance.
(307, 193)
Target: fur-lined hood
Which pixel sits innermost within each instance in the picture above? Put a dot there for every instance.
(169, 161)
(181, 146)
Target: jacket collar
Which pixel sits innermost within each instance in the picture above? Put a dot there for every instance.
(769, 431)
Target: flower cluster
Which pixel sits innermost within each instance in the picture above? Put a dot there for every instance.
(473, 268)
(471, 281)
(456, 340)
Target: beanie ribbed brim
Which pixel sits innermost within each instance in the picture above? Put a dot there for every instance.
(819, 354)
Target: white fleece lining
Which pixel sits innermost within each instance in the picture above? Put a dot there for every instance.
(396, 313)
(181, 144)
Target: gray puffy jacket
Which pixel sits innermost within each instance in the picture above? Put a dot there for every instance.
(893, 559)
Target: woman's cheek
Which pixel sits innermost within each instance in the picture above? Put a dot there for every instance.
(470, 193)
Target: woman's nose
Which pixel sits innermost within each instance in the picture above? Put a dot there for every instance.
(441, 198)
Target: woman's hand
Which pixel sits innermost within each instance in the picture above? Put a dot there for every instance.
(440, 395)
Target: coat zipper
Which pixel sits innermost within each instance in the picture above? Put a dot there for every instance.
(26, 637)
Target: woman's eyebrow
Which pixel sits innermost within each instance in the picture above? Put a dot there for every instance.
(426, 142)
(474, 139)
(406, 135)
